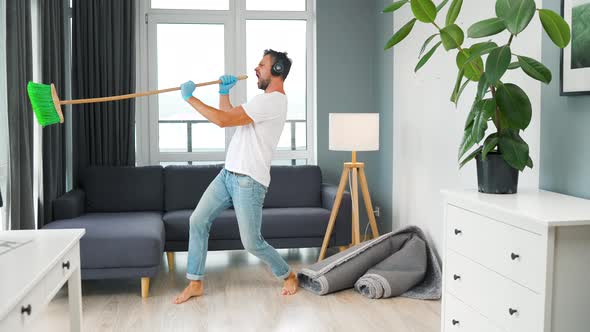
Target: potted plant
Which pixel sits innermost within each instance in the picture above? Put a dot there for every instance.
(503, 153)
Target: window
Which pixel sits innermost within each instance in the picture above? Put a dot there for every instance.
(201, 40)
(181, 129)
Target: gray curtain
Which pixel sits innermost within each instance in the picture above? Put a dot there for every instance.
(20, 114)
(103, 64)
(53, 32)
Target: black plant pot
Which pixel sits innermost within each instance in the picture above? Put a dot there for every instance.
(495, 176)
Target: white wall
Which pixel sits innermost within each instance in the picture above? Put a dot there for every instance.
(3, 117)
(427, 127)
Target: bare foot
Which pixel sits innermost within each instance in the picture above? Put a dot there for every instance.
(194, 288)
(290, 285)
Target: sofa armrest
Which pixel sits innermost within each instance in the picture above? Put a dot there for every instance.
(342, 232)
(69, 205)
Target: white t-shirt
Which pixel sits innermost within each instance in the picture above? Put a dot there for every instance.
(252, 146)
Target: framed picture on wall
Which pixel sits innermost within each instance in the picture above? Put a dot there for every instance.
(575, 58)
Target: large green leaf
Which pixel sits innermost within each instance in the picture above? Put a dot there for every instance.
(400, 34)
(514, 105)
(503, 7)
(467, 143)
(489, 144)
(516, 13)
(452, 36)
(503, 122)
(497, 63)
(535, 69)
(470, 117)
(453, 12)
(457, 85)
(556, 27)
(426, 42)
(481, 118)
(457, 94)
(473, 69)
(513, 148)
(482, 87)
(479, 49)
(486, 28)
(427, 56)
(481, 112)
(395, 6)
(470, 156)
(424, 10)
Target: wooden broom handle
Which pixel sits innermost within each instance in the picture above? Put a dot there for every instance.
(135, 95)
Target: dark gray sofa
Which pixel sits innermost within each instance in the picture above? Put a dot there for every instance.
(133, 214)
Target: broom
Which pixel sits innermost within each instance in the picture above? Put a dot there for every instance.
(47, 106)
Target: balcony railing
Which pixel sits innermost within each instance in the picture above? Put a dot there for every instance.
(189, 133)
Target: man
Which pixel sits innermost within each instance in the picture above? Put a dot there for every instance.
(244, 180)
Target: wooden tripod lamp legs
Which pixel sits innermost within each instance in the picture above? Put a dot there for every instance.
(357, 169)
(368, 203)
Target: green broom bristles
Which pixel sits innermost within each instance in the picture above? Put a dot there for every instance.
(40, 97)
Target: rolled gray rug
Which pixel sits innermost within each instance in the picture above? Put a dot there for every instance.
(397, 273)
(396, 263)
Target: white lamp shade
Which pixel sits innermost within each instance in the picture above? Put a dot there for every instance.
(354, 131)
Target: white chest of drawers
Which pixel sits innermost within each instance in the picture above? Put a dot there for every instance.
(32, 273)
(518, 263)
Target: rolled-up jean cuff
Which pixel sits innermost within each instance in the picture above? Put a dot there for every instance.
(284, 276)
(194, 277)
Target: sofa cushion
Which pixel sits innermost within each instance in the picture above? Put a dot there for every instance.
(276, 223)
(294, 186)
(129, 239)
(123, 189)
(184, 185)
(290, 186)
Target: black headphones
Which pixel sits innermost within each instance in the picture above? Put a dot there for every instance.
(278, 68)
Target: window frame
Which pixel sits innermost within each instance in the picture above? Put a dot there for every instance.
(234, 19)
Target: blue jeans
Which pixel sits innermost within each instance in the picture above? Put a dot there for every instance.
(247, 197)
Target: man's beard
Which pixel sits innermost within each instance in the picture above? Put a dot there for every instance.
(263, 84)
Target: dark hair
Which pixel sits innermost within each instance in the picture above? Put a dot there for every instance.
(282, 59)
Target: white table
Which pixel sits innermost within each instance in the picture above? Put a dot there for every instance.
(32, 273)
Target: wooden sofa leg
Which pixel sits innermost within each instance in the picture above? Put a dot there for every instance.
(170, 257)
(145, 287)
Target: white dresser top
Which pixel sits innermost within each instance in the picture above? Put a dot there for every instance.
(22, 268)
(546, 208)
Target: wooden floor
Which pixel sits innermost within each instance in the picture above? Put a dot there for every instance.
(240, 295)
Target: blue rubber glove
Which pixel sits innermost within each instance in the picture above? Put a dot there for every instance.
(186, 89)
(227, 82)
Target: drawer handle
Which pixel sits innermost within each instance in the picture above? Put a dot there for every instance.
(65, 265)
(455, 322)
(458, 231)
(455, 277)
(512, 311)
(514, 256)
(26, 309)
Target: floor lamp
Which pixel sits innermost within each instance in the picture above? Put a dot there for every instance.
(353, 132)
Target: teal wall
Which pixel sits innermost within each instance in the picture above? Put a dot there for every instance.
(355, 75)
(565, 130)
